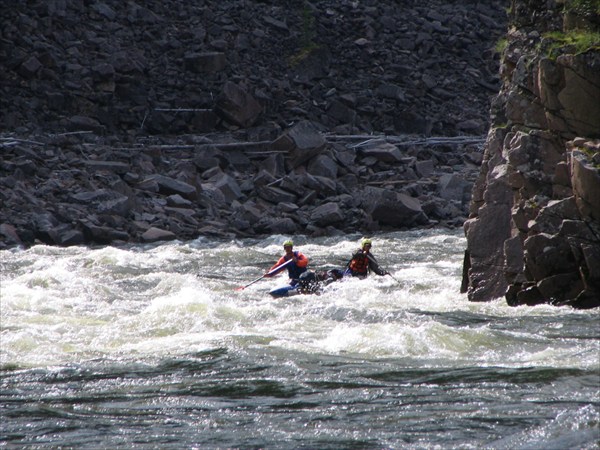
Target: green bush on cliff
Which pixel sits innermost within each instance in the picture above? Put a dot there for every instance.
(501, 45)
(574, 41)
(592, 156)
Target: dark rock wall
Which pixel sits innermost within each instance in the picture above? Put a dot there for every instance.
(145, 121)
(534, 228)
(162, 66)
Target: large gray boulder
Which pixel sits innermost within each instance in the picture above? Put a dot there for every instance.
(392, 208)
(301, 142)
(327, 214)
(382, 151)
(169, 186)
(154, 234)
(238, 106)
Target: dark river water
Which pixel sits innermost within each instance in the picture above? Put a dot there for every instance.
(154, 347)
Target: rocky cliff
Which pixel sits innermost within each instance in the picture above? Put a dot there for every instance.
(534, 228)
(141, 121)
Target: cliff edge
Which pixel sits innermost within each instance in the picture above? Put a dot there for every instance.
(533, 233)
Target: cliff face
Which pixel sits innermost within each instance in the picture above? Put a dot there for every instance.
(534, 229)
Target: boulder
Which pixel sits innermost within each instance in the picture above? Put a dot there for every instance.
(312, 64)
(382, 151)
(591, 266)
(106, 201)
(30, 67)
(341, 113)
(530, 296)
(11, 237)
(324, 185)
(514, 258)
(66, 236)
(154, 234)
(413, 123)
(250, 212)
(390, 91)
(237, 106)
(212, 197)
(284, 225)
(452, 187)
(44, 223)
(551, 217)
(229, 187)
(178, 201)
(323, 166)
(560, 287)
(85, 123)
(391, 208)
(301, 142)
(103, 234)
(169, 186)
(327, 214)
(486, 234)
(110, 166)
(275, 195)
(547, 255)
(424, 168)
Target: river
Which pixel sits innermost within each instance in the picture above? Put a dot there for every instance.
(154, 347)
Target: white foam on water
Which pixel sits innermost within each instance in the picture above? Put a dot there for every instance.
(65, 305)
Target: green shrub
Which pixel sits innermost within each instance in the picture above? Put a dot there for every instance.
(501, 45)
(574, 41)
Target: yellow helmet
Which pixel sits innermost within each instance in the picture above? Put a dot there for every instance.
(288, 242)
(365, 241)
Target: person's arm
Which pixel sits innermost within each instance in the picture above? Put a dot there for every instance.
(374, 266)
(277, 264)
(301, 260)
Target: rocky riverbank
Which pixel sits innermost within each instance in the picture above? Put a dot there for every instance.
(125, 122)
(79, 188)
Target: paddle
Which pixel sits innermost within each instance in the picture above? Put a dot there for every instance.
(241, 288)
(393, 278)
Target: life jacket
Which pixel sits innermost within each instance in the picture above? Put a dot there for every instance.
(294, 269)
(359, 264)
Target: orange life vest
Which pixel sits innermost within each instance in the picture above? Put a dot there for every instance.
(359, 264)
